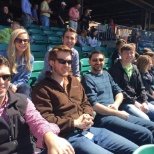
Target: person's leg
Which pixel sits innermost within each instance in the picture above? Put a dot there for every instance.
(83, 145)
(131, 109)
(134, 132)
(25, 89)
(151, 111)
(112, 141)
(44, 21)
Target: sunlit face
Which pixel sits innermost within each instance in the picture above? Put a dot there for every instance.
(127, 56)
(61, 70)
(4, 83)
(69, 39)
(21, 43)
(97, 62)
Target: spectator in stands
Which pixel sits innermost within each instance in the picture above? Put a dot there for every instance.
(69, 38)
(21, 61)
(60, 98)
(6, 18)
(45, 13)
(92, 39)
(35, 13)
(144, 64)
(82, 38)
(106, 96)
(26, 12)
(74, 16)
(112, 25)
(85, 18)
(19, 114)
(151, 54)
(129, 80)
(124, 36)
(136, 38)
(116, 54)
(6, 32)
(62, 15)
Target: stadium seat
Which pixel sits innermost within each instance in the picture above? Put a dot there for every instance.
(3, 47)
(145, 149)
(110, 51)
(84, 66)
(108, 63)
(38, 51)
(37, 68)
(103, 49)
(39, 39)
(49, 33)
(35, 31)
(54, 40)
(86, 51)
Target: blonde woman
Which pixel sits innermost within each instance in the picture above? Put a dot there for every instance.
(144, 64)
(21, 60)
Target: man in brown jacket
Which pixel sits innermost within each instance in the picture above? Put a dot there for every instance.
(61, 99)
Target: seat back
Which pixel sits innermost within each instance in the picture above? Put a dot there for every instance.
(145, 149)
(38, 51)
(54, 40)
(39, 39)
(86, 51)
(108, 63)
(110, 51)
(84, 66)
(3, 47)
(37, 68)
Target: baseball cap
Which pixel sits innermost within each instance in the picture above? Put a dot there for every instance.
(124, 35)
(63, 3)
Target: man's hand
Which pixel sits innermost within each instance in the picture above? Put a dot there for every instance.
(122, 114)
(57, 145)
(138, 105)
(113, 106)
(84, 122)
(144, 107)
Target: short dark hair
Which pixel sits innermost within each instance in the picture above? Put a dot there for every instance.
(96, 52)
(70, 30)
(4, 61)
(54, 52)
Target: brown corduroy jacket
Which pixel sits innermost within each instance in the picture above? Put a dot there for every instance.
(59, 107)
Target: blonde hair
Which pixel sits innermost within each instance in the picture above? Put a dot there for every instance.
(11, 51)
(143, 62)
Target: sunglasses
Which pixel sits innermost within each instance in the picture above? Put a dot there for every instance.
(62, 61)
(99, 59)
(19, 40)
(6, 77)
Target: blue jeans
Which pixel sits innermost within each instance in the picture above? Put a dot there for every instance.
(45, 21)
(103, 142)
(135, 129)
(133, 110)
(73, 24)
(25, 89)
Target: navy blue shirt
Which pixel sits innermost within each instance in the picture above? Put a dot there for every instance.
(100, 88)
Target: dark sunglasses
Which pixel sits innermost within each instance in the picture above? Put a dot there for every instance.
(6, 77)
(19, 40)
(62, 61)
(99, 59)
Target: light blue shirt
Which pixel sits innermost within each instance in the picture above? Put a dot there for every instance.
(82, 41)
(74, 65)
(26, 6)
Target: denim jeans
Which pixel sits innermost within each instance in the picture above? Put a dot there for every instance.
(45, 21)
(133, 110)
(73, 24)
(103, 142)
(135, 129)
(25, 89)
(26, 19)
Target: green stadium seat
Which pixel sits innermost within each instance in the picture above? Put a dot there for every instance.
(39, 39)
(49, 33)
(86, 51)
(108, 63)
(35, 31)
(38, 51)
(37, 68)
(103, 49)
(145, 149)
(54, 40)
(110, 51)
(3, 46)
(84, 66)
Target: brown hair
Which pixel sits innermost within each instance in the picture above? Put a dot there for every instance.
(54, 52)
(96, 52)
(70, 30)
(4, 61)
(127, 47)
(143, 62)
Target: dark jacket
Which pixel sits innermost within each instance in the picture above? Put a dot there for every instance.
(134, 89)
(148, 81)
(59, 107)
(15, 137)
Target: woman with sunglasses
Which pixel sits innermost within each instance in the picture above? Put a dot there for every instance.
(21, 60)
